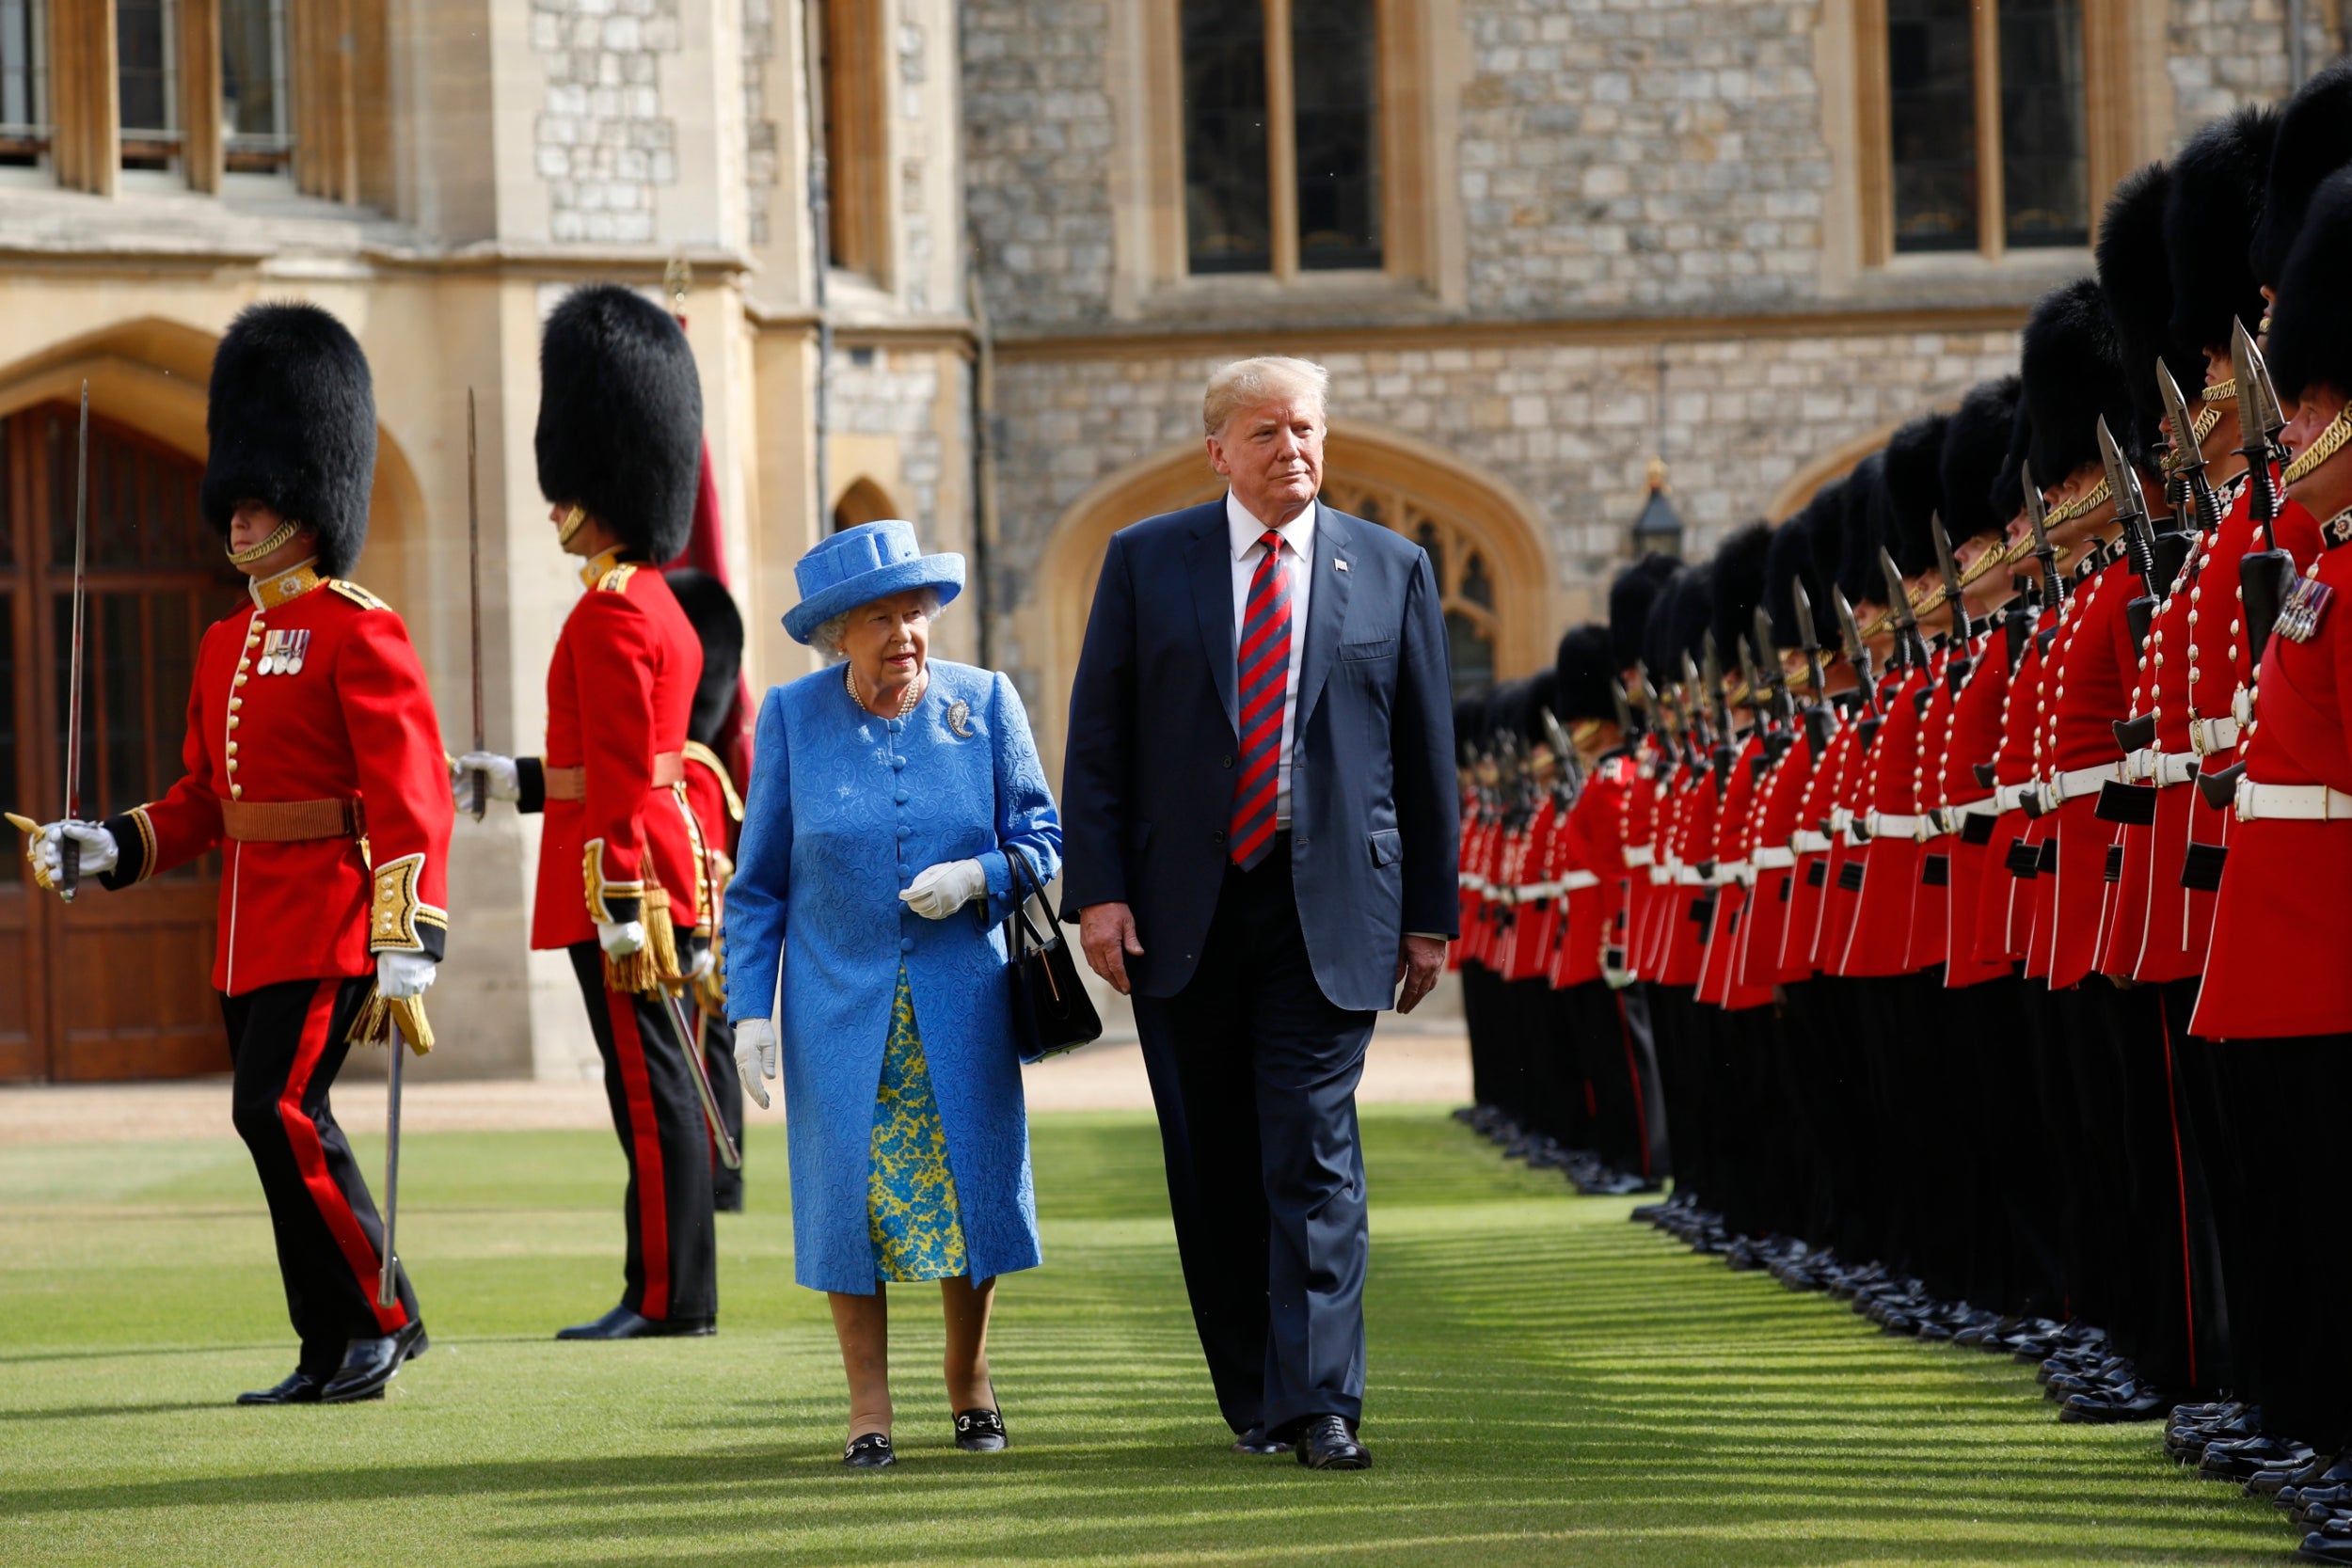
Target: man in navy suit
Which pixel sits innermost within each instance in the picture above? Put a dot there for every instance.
(1259, 825)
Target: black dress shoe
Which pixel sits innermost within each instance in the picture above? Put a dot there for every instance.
(870, 1451)
(2129, 1400)
(622, 1323)
(369, 1364)
(1326, 1444)
(300, 1387)
(1255, 1441)
(980, 1431)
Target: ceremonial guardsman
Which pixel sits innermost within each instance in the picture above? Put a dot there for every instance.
(622, 871)
(314, 767)
(717, 803)
(2276, 985)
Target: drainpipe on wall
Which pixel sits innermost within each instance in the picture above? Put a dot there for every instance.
(820, 244)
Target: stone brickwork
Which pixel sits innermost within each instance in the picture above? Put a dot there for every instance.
(1038, 135)
(915, 240)
(1663, 155)
(1569, 426)
(602, 143)
(879, 392)
(761, 148)
(2222, 54)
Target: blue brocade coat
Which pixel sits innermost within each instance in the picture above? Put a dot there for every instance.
(846, 810)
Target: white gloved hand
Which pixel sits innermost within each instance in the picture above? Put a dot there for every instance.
(100, 853)
(701, 963)
(620, 938)
(940, 890)
(758, 1055)
(399, 975)
(503, 782)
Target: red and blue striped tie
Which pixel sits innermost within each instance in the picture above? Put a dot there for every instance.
(1264, 659)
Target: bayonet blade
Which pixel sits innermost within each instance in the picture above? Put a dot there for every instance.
(1897, 597)
(1849, 630)
(1766, 654)
(2253, 381)
(1625, 708)
(2111, 458)
(1807, 638)
(2188, 459)
(69, 848)
(1949, 567)
(1713, 668)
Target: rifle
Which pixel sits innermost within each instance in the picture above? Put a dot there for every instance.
(2265, 573)
(2187, 461)
(2130, 506)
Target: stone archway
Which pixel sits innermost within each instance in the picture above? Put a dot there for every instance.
(863, 501)
(1494, 566)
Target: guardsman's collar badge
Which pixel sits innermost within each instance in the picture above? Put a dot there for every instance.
(284, 587)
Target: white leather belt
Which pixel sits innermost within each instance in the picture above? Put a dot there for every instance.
(1639, 854)
(1840, 821)
(1984, 805)
(2208, 736)
(1735, 871)
(1660, 875)
(1472, 882)
(1804, 841)
(2295, 803)
(1773, 858)
(1892, 825)
(2010, 797)
(2077, 782)
(1577, 881)
(2167, 768)
(1689, 876)
(1855, 840)
(1535, 893)
(2140, 765)
(2242, 705)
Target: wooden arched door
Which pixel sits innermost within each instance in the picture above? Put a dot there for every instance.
(116, 985)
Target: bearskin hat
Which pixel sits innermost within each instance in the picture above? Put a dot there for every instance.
(2209, 219)
(1975, 443)
(2073, 370)
(2311, 326)
(2135, 280)
(1864, 515)
(710, 609)
(1630, 598)
(2314, 140)
(1661, 652)
(1915, 490)
(291, 423)
(1693, 616)
(621, 417)
(2009, 483)
(1826, 532)
(1469, 722)
(1582, 674)
(1739, 584)
(1789, 562)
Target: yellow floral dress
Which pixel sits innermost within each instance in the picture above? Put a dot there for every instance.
(911, 1207)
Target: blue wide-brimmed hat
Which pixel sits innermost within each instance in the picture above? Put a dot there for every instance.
(861, 565)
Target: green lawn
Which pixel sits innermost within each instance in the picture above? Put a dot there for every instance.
(1548, 1385)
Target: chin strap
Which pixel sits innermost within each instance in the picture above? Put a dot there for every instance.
(268, 547)
(2330, 441)
(571, 525)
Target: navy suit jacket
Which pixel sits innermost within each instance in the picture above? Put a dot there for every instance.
(1148, 779)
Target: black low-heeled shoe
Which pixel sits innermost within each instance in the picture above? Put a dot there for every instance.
(869, 1451)
(980, 1431)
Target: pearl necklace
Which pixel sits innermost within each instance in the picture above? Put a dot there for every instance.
(915, 689)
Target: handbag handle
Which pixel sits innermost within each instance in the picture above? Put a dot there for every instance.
(1025, 886)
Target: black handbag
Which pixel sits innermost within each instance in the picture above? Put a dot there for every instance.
(1051, 1010)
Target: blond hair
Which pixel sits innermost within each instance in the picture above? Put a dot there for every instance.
(1248, 381)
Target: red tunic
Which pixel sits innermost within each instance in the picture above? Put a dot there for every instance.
(1734, 832)
(1849, 802)
(2005, 905)
(2285, 908)
(1972, 739)
(1771, 898)
(2094, 664)
(1815, 849)
(1879, 942)
(314, 694)
(1592, 843)
(620, 690)
(1930, 937)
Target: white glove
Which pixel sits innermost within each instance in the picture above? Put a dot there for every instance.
(504, 783)
(620, 938)
(940, 890)
(701, 963)
(758, 1055)
(399, 975)
(98, 852)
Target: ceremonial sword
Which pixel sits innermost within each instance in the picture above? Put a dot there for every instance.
(70, 847)
(388, 1281)
(473, 593)
(729, 1155)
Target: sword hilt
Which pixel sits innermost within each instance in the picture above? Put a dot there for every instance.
(481, 794)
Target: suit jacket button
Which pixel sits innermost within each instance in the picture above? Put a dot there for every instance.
(1218, 836)
(1228, 759)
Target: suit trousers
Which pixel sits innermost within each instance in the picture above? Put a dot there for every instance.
(1254, 1072)
(672, 1267)
(285, 1046)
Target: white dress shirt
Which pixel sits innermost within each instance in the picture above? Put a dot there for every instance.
(1298, 554)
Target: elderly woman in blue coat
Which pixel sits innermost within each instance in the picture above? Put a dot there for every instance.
(889, 795)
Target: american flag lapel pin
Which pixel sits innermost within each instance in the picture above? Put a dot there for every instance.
(1340, 564)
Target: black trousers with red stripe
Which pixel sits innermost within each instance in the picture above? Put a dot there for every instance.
(286, 1045)
(672, 1270)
